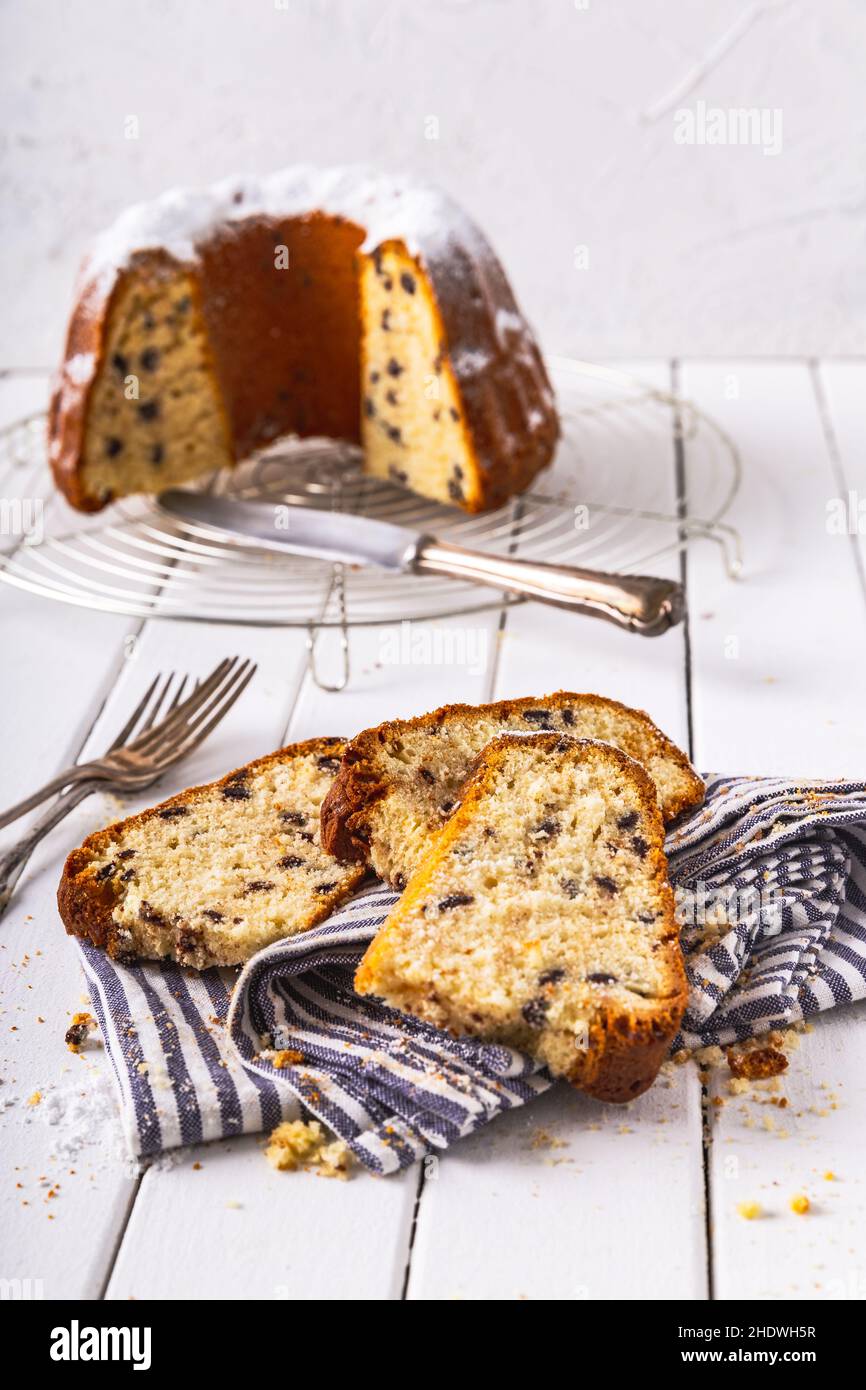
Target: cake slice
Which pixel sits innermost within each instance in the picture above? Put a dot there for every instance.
(216, 873)
(542, 917)
(398, 782)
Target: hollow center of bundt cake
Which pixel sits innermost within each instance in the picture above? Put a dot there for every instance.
(543, 906)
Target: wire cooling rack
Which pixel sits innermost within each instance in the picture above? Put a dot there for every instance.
(638, 474)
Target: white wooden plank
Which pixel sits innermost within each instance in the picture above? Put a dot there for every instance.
(841, 388)
(617, 1211)
(778, 670)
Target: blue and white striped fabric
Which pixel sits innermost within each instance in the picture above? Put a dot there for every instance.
(771, 890)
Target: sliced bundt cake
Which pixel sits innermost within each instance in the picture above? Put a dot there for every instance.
(541, 916)
(216, 873)
(317, 302)
(399, 781)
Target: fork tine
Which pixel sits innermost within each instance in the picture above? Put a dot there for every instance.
(175, 737)
(179, 716)
(178, 694)
(136, 714)
(157, 706)
(217, 716)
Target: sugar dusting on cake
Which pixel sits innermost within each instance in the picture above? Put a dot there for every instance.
(182, 220)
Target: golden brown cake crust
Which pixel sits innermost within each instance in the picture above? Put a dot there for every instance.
(314, 387)
(358, 785)
(626, 1048)
(86, 904)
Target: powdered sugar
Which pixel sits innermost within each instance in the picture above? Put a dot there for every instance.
(183, 219)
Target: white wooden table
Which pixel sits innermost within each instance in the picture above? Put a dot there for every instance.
(767, 676)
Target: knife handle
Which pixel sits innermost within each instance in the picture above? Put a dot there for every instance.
(635, 602)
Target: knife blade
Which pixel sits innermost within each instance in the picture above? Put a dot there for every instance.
(323, 535)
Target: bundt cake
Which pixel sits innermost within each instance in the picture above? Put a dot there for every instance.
(541, 916)
(398, 782)
(334, 302)
(216, 873)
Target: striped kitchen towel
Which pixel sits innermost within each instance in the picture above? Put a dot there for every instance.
(770, 878)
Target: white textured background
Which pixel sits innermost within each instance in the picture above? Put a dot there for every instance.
(556, 125)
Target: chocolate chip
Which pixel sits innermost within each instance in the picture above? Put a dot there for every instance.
(408, 282)
(291, 861)
(599, 977)
(148, 913)
(374, 376)
(455, 414)
(369, 408)
(489, 832)
(325, 887)
(212, 914)
(399, 882)
(113, 446)
(183, 305)
(173, 812)
(328, 764)
(398, 474)
(640, 846)
(149, 359)
(148, 321)
(447, 807)
(455, 491)
(567, 717)
(76, 1035)
(127, 875)
(148, 410)
(391, 397)
(535, 1010)
(307, 836)
(628, 821)
(157, 453)
(570, 887)
(236, 791)
(258, 885)
(552, 976)
(607, 885)
(394, 368)
(541, 717)
(188, 942)
(126, 854)
(293, 818)
(546, 830)
(120, 363)
(455, 900)
(107, 871)
(394, 433)
(427, 775)
(646, 917)
(386, 320)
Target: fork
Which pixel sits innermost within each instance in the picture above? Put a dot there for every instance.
(131, 765)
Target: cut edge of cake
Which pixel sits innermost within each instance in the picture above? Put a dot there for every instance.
(91, 887)
(349, 811)
(621, 1045)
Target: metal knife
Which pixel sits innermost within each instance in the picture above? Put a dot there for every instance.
(637, 603)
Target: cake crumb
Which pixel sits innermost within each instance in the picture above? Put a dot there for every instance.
(757, 1063)
(77, 1032)
(35, 1098)
(749, 1210)
(298, 1144)
(543, 1139)
(286, 1057)
(829, 1176)
(800, 1204)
